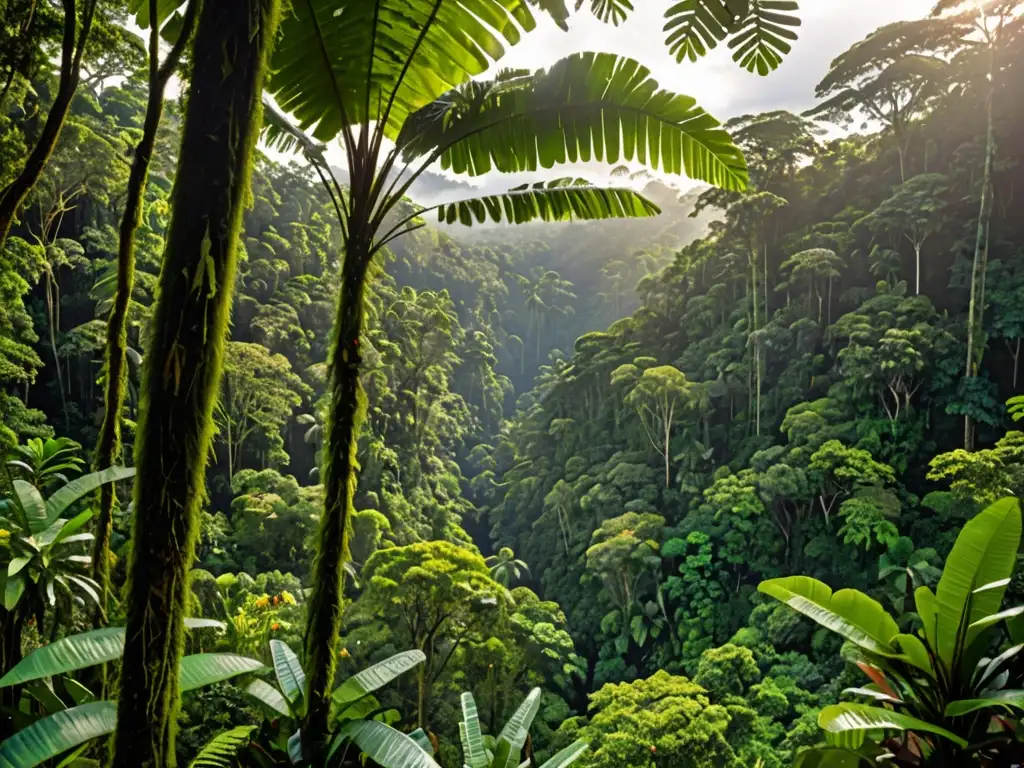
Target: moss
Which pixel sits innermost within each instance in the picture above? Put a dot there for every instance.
(348, 406)
(181, 374)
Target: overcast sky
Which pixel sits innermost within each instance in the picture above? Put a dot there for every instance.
(719, 85)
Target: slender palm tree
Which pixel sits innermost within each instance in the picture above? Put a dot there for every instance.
(506, 567)
(391, 80)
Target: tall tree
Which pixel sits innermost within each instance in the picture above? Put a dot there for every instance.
(78, 22)
(183, 365)
(108, 447)
(372, 80)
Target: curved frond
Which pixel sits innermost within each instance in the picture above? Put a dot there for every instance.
(338, 62)
(220, 751)
(587, 106)
(558, 200)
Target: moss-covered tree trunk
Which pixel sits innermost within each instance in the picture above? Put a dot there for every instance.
(108, 447)
(181, 374)
(72, 48)
(348, 404)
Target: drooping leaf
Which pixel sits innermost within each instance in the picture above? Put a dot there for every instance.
(68, 654)
(386, 746)
(61, 731)
(31, 503)
(202, 669)
(71, 492)
(588, 105)
(861, 717)
(376, 676)
(1009, 699)
(557, 200)
(848, 612)
(269, 695)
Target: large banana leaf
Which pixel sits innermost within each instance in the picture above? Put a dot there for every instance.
(848, 612)
(517, 729)
(268, 695)
(386, 746)
(473, 753)
(376, 676)
(588, 105)
(53, 735)
(62, 656)
(339, 62)
(985, 553)
(201, 669)
(30, 503)
(290, 676)
(85, 649)
(567, 756)
(71, 492)
(861, 717)
(557, 200)
(164, 9)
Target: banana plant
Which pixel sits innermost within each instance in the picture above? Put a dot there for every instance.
(357, 717)
(71, 715)
(42, 462)
(943, 692)
(505, 750)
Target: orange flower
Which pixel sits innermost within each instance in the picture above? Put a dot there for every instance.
(276, 599)
(653, 749)
(262, 602)
(275, 626)
(343, 653)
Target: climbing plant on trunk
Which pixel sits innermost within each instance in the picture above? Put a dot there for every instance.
(364, 72)
(181, 373)
(108, 447)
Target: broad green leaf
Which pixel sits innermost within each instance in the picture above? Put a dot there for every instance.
(372, 678)
(338, 62)
(567, 756)
(1000, 699)
(586, 106)
(14, 588)
(68, 654)
(85, 649)
(861, 717)
(31, 504)
(164, 10)
(557, 200)
(518, 727)
(386, 746)
(871, 693)
(270, 696)
(914, 652)
(848, 612)
(202, 669)
(421, 738)
(71, 527)
(58, 733)
(469, 730)
(290, 677)
(984, 552)
(71, 492)
(220, 751)
(995, 618)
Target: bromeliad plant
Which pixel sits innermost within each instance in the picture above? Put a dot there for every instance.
(356, 716)
(505, 750)
(59, 717)
(939, 696)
